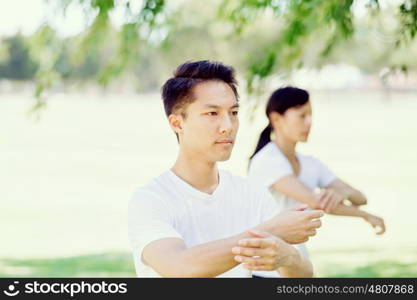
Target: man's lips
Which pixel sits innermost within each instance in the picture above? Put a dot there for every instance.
(224, 142)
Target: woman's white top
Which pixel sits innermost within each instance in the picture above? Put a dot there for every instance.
(270, 165)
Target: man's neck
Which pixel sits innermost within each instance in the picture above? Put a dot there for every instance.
(200, 174)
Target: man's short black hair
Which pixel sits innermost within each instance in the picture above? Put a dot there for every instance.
(177, 91)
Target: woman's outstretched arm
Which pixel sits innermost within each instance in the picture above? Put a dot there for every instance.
(331, 200)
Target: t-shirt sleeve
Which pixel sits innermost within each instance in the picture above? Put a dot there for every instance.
(325, 175)
(149, 219)
(266, 170)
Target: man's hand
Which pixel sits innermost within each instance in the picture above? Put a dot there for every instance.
(295, 225)
(264, 252)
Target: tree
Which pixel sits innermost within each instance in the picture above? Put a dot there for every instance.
(295, 25)
(18, 65)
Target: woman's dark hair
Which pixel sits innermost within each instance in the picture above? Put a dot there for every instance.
(177, 91)
(280, 100)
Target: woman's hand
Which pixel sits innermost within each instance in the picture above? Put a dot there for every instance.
(329, 199)
(376, 222)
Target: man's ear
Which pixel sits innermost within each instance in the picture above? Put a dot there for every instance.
(175, 121)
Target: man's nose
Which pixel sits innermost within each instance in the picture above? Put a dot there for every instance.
(226, 124)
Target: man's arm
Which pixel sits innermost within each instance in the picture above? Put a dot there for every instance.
(171, 258)
(298, 267)
(266, 252)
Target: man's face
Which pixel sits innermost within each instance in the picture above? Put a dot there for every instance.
(211, 122)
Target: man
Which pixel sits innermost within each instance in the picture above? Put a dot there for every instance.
(197, 221)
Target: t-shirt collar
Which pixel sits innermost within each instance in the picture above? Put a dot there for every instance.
(189, 189)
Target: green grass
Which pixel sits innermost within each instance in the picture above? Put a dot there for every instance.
(365, 262)
(98, 265)
(120, 265)
(377, 269)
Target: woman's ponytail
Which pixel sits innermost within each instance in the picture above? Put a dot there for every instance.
(264, 139)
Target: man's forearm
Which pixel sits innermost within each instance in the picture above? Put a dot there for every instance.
(216, 257)
(272, 229)
(298, 267)
(206, 260)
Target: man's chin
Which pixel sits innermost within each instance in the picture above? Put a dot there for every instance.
(224, 157)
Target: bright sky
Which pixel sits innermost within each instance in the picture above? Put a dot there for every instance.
(28, 15)
(20, 14)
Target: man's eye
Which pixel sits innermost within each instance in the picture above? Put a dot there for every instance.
(235, 113)
(212, 113)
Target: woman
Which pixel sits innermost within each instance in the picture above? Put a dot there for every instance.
(293, 178)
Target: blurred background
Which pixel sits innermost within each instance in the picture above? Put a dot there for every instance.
(82, 123)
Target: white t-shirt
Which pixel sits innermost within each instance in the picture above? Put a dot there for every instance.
(170, 207)
(270, 164)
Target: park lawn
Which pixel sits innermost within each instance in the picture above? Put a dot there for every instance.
(357, 263)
